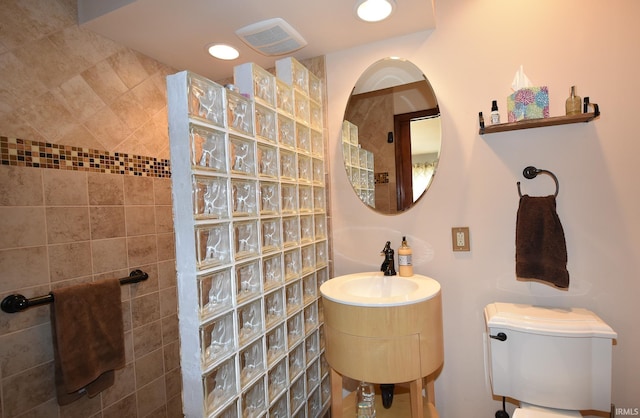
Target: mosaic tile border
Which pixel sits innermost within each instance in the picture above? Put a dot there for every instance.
(25, 153)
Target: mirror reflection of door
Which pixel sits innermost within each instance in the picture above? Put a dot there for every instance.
(416, 154)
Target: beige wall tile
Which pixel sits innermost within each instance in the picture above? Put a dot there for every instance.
(138, 190)
(25, 349)
(70, 260)
(145, 309)
(29, 318)
(107, 222)
(65, 188)
(20, 186)
(125, 408)
(166, 274)
(162, 191)
(124, 385)
(32, 387)
(151, 397)
(105, 189)
(21, 227)
(140, 220)
(83, 407)
(164, 219)
(104, 81)
(171, 356)
(173, 382)
(147, 338)
(67, 224)
(147, 286)
(170, 331)
(149, 368)
(168, 301)
(109, 254)
(23, 267)
(166, 247)
(142, 250)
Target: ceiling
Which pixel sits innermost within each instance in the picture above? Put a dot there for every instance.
(178, 32)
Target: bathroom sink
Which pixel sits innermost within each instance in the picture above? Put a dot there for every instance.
(373, 289)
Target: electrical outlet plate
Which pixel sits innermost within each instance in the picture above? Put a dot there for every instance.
(460, 238)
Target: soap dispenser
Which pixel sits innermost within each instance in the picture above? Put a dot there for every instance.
(405, 261)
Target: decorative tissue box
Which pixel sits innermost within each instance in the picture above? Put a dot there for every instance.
(528, 103)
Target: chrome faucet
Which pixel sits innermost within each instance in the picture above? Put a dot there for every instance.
(388, 264)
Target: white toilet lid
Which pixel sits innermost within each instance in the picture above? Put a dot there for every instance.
(544, 413)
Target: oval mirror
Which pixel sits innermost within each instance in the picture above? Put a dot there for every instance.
(391, 136)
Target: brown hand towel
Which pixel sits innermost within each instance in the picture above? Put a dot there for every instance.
(88, 336)
(541, 251)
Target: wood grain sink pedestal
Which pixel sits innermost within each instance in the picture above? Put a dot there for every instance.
(384, 344)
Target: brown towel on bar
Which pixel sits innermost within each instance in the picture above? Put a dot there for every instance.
(541, 250)
(88, 336)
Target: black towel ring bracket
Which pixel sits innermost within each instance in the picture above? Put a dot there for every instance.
(531, 172)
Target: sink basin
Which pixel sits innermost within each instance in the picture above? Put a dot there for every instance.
(375, 289)
(383, 329)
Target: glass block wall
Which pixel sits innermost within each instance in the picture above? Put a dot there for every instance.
(251, 241)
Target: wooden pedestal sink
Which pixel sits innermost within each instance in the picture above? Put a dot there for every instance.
(383, 329)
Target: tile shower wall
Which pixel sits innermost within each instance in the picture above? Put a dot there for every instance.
(63, 227)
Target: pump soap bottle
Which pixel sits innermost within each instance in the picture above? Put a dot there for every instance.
(495, 115)
(404, 259)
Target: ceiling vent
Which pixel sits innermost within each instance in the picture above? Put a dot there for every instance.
(272, 37)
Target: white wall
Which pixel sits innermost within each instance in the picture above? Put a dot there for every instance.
(470, 59)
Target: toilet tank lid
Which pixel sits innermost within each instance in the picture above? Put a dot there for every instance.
(569, 322)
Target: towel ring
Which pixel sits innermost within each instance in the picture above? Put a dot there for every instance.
(531, 172)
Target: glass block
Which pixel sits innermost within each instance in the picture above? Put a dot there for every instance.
(309, 288)
(292, 265)
(346, 155)
(293, 293)
(306, 228)
(253, 400)
(308, 254)
(269, 198)
(364, 178)
(315, 88)
(267, 161)
(217, 338)
(264, 85)
(247, 280)
(319, 199)
(271, 240)
(215, 293)
(206, 100)
(311, 318)
(370, 161)
(290, 231)
(230, 412)
(245, 239)
(243, 197)
(314, 403)
(249, 321)
(220, 385)
(289, 194)
(276, 344)
(213, 245)
(275, 309)
(313, 375)
(239, 113)
(317, 166)
(320, 227)
(277, 381)
(321, 254)
(266, 123)
(325, 390)
(251, 362)
(305, 171)
(301, 107)
(320, 313)
(305, 198)
(295, 332)
(208, 148)
(288, 168)
(324, 364)
(296, 362)
(242, 156)
(272, 271)
(317, 143)
(286, 132)
(284, 97)
(303, 138)
(315, 116)
(353, 134)
(297, 395)
(355, 178)
(210, 197)
(279, 408)
(355, 155)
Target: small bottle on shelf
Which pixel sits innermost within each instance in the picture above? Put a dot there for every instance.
(495, 116)
(365, 401)
(573, 105)
(405, 262)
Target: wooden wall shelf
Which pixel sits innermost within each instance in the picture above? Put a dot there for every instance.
(539, 123)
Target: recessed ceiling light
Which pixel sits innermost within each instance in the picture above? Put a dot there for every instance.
(223, 52)
(374, 10)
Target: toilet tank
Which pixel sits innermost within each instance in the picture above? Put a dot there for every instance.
(551, 357)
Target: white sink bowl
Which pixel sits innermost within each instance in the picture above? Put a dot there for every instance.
(374, 289)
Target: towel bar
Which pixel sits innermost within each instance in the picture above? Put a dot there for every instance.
(531, 172)
(17, 303)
